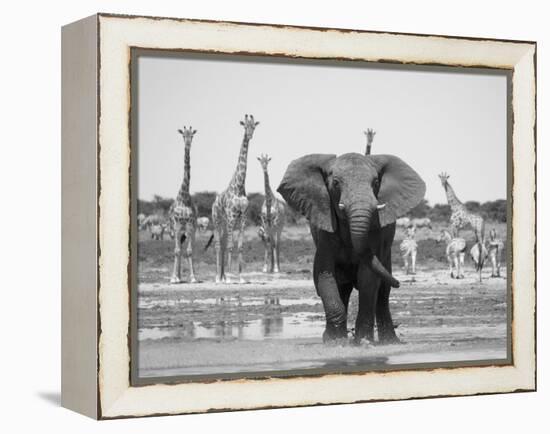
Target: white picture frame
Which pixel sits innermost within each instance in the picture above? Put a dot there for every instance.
(96, 184)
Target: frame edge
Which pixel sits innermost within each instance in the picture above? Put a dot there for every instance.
(79, 321)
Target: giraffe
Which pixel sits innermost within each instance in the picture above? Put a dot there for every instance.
(273, 221)
(370, 133)
(408, 248)
(183, 214)
(455, 248)
(229, 209)
(461, 217)
(496, 247)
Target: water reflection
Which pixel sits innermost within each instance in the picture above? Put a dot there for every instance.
(271, 326)
(229, 316)
(223, 301)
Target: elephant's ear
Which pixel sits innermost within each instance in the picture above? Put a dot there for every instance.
(401, 188)
(304, 188)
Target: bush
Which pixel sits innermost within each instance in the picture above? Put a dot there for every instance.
(421, 210)
(439, 212)
(491, 210)
(495, 210)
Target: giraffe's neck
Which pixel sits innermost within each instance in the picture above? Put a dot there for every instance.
(267, 187)
(239, 177)
(369, 144)
(183, 193)
(268, 195)
(453, 201)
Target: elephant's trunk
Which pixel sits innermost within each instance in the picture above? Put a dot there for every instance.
(359, 223)
(379, 269)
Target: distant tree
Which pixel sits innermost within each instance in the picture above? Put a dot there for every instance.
(492, 210)
(145, 207)
(255, 202)
(421, 210)
(440, 212)
(495, 210)
(203, 201)
(162, 204)
(473, 206)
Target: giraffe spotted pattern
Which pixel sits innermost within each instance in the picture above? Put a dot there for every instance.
(229, 210)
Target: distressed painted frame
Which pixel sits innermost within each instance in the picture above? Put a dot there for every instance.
(96, 215)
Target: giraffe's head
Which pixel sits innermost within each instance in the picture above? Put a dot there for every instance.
(249, 126)
(264, 160)
(187, 134)
(444, 177)
(370, 133)
(411, 232)
(493, 234)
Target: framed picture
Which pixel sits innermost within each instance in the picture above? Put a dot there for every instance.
(262, 216)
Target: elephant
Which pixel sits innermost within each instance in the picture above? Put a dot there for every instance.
(352, 202)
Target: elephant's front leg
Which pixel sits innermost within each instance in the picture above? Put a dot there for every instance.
(367, 283)
(327, 289)
(384, 322)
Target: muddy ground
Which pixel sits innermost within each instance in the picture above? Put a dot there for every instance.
(275, 322)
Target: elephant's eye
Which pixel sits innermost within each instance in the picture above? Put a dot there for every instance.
(376, 185)
(335, 183)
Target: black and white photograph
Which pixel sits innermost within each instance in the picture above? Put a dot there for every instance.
(296, 216)
(233, 217)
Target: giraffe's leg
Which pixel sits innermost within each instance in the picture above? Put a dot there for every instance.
(413, 262)
(266, 256)
(480, 235)
(217, 223)
(218, 248)
(230, 243)
(176, 275)
(277, 252)
(271, 250)
(240, 247)
(461, 264)
(480, 263)
(273, 258)
(406, 262)
(189, 252)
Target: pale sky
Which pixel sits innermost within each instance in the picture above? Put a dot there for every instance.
(435, 121)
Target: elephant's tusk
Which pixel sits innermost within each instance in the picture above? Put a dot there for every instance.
(381, 206)
(341, 206)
